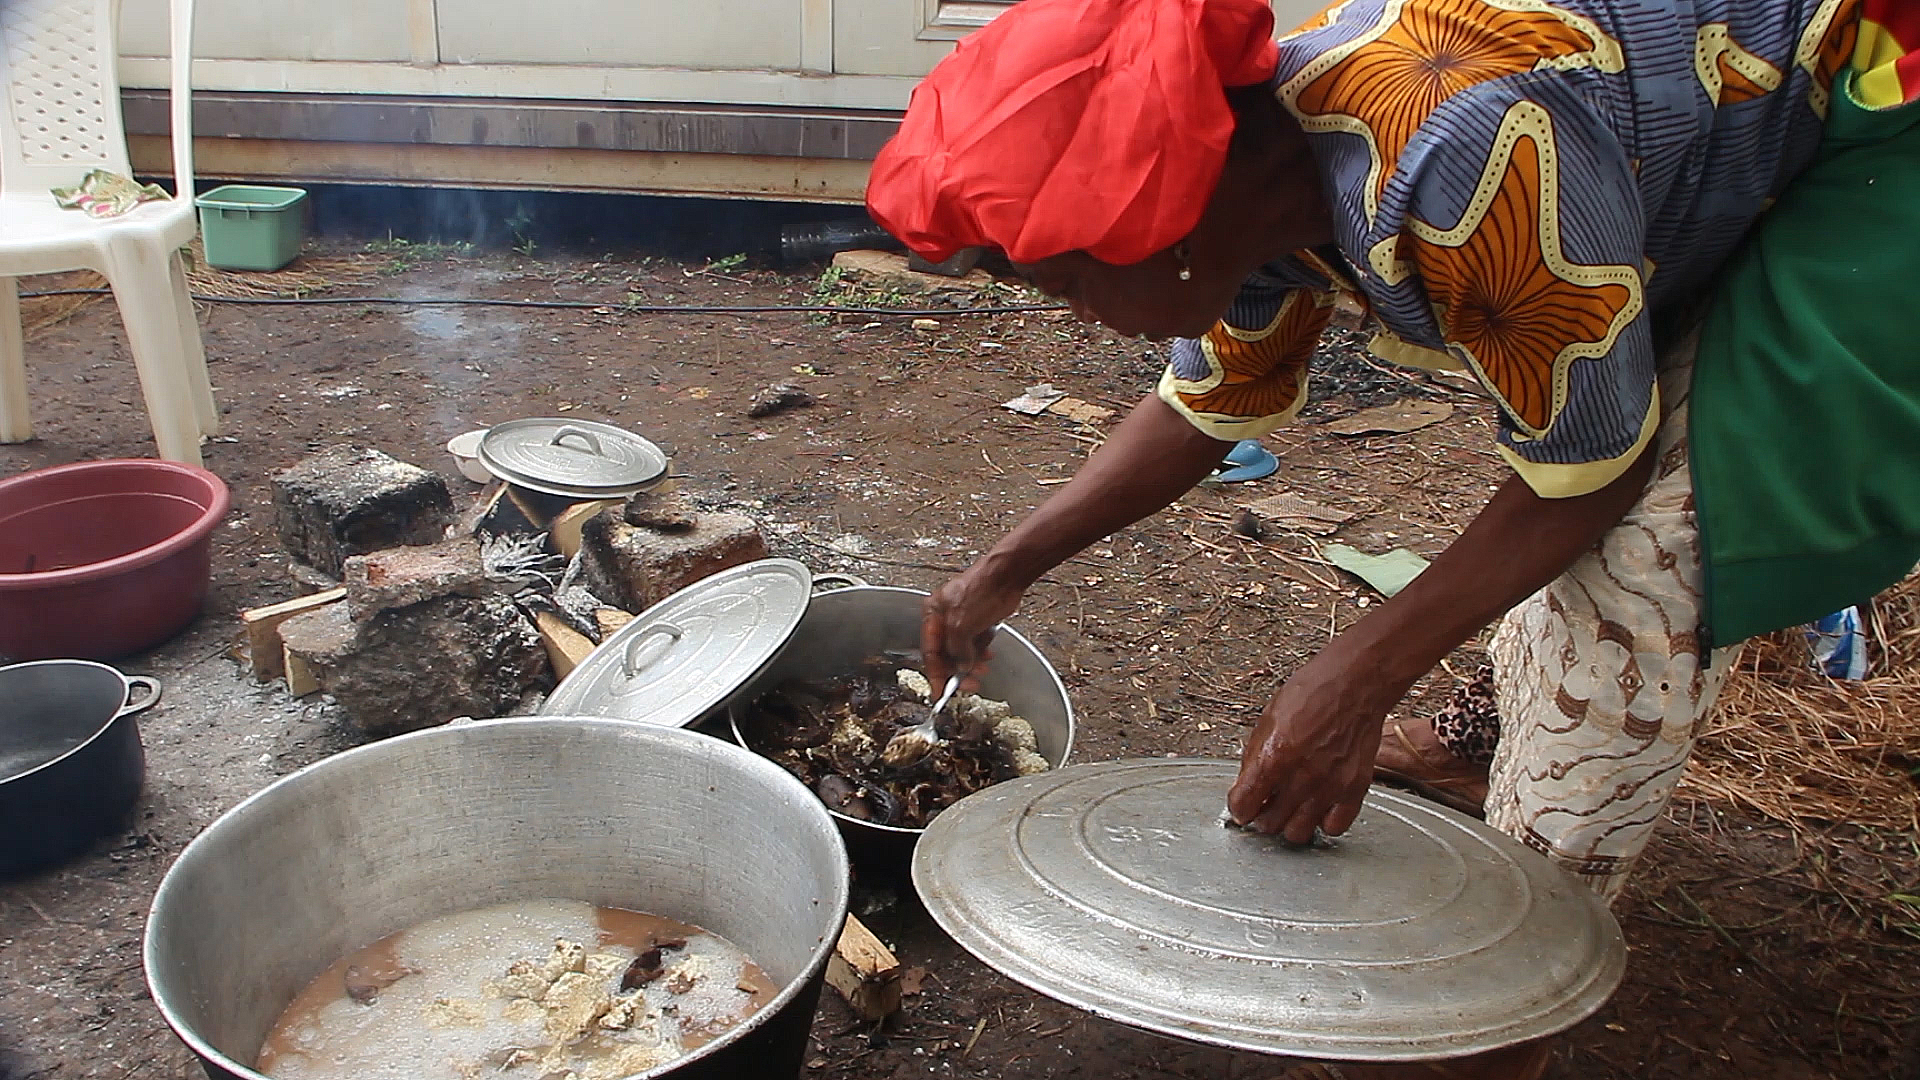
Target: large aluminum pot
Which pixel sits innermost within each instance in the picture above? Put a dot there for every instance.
(846, 626)
(378, 839)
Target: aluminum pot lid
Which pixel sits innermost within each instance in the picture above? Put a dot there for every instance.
(578, 457)
(1116, 887)
(684, 656)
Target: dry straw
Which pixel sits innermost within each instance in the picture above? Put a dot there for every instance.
(306, 275)
(1791, 744)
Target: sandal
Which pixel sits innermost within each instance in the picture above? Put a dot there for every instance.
(1248, 460)
(1455, 784)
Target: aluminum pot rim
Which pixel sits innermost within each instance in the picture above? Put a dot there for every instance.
(125, 710)
(837, 889)
(220, 500)
(733, 712)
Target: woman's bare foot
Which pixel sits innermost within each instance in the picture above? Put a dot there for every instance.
(1412, 756)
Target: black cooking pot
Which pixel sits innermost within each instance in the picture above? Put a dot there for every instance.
(70, 758)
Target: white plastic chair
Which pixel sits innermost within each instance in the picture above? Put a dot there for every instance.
(60, 117)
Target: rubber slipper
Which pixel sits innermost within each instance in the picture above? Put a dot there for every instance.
(1249, 461)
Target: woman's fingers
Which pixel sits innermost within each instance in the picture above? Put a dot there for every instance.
(1253, 788)
(933, 641)
(956, 635)
(1341, 817)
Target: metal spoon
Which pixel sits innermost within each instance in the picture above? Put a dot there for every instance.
(919, 740)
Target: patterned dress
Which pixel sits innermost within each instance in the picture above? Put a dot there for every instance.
(1533, 192)
(1542, 194)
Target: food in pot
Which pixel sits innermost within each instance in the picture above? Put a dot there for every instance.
(830, 734)
(541, 990)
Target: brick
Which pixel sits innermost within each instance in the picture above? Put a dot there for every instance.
(349, 500)
(402, 576)
(635, 567)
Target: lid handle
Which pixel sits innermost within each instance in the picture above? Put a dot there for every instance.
(632, 664)
(588, 437)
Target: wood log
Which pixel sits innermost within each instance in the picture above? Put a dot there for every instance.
(611, 619)
(865, 972)
(566, 647)
(263, 629)
(565, 528)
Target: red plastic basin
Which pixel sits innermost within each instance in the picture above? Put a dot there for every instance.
(103, 558)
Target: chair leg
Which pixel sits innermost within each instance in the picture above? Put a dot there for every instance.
(143, 288)
(16, 424)
(193, 352)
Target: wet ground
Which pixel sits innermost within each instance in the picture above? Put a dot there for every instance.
(1753, 955)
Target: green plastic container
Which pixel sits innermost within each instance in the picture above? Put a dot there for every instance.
(251, 227)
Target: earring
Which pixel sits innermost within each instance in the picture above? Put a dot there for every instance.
(1180, 252)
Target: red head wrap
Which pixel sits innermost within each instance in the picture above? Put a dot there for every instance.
(1073, 125)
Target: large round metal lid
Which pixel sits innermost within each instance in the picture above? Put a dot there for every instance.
(683, 657)
(1116, 887)
(571, 457)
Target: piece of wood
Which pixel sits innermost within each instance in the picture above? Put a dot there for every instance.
(300, 677)
(565, 528)
(263, 629)
(889, 270)
(503, 516)
(537, 507)
(566, 647)
(611, 619)
(865, 972)
(1084, 411)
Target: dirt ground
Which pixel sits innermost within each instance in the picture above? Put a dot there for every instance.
(1746, 960)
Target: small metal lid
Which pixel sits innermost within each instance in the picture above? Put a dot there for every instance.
(571, 457)
(685, 655)
(1419, 934)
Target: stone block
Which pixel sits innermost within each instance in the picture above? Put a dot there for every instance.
(635, 567)
(349, 500)
(661, 511)
(402, 576)
(419, 666)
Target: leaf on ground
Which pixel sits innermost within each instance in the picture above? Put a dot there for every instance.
(1388, 573)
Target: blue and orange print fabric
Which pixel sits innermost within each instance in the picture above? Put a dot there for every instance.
(1521, 189)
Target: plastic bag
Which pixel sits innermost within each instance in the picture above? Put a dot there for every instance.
(1839, 644)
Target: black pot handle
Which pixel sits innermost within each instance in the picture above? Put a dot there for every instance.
(142, 692)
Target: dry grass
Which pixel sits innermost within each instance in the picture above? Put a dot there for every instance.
(306, 275)
(1790, 744)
